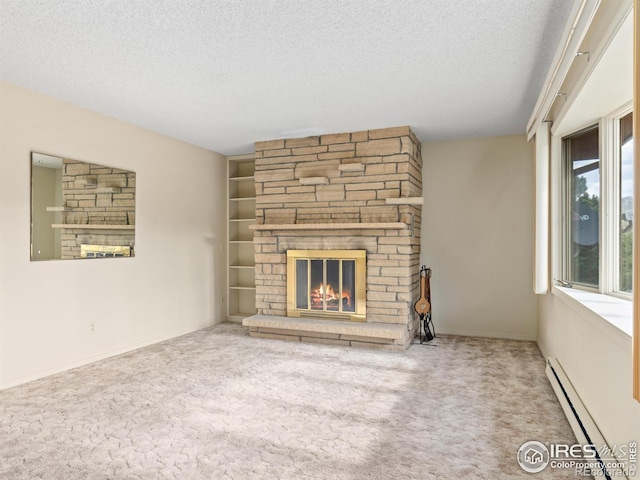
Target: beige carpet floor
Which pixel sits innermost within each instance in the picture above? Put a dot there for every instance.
(217, 404)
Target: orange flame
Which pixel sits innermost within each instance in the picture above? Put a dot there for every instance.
(327, 294)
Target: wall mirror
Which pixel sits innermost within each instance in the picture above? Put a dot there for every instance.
(80, 209)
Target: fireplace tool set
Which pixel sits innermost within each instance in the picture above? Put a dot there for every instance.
(426, 331)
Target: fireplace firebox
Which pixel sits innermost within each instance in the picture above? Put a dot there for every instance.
(327, 284)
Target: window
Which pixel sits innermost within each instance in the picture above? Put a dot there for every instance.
(626, 203)
(583, 153)
(599, 206)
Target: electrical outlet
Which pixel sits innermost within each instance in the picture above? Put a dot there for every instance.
(92, 328)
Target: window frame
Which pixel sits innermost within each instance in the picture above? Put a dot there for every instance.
(609, 215)
(612, 184)
(567, 203)
(617, 212)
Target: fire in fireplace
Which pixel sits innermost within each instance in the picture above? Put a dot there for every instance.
(103, 251)
(327, 284)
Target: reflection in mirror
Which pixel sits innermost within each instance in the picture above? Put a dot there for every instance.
(80, 210)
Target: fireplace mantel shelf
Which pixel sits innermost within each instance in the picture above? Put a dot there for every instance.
(92, 226)
(405, 201)
(332, 226)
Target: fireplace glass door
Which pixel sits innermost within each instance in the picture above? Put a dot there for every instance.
(328, 286)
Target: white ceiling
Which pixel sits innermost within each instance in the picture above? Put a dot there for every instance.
(224, 74)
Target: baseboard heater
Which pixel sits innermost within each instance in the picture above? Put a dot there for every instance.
(583, 426)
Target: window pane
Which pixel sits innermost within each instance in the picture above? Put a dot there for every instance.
(302, 284)
(317, 285)
(626, 203)
(332, 289)
(348, 285)
(584, 225)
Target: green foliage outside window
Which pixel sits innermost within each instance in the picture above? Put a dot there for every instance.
(626, 262)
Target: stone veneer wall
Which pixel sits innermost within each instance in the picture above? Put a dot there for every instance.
(96, 195)
(342, 179)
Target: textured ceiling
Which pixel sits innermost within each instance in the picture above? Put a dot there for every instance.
(224, 74)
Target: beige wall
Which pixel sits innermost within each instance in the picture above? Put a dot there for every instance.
(171, 287)
(477, 235)
(596, 357)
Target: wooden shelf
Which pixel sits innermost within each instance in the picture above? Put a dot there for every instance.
(242, 287)
(332, 226)
(57, 209)
(405, 201)
(241, 242)
(242, 266)
(242, 219)
(78, 226)
(249, 178)
(241, 199)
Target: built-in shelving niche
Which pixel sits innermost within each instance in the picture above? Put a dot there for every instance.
(241, 294)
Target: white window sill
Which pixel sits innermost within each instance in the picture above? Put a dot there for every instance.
(615, 311)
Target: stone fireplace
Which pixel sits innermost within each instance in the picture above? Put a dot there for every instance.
(358, 193)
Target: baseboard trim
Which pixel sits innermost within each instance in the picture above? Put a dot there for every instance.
(484, 334)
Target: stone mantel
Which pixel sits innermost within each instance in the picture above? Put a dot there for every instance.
(333, 226)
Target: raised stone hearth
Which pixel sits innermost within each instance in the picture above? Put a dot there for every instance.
(332, 332)
(349, 191)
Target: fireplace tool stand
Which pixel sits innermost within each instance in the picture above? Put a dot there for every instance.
(426, 330)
